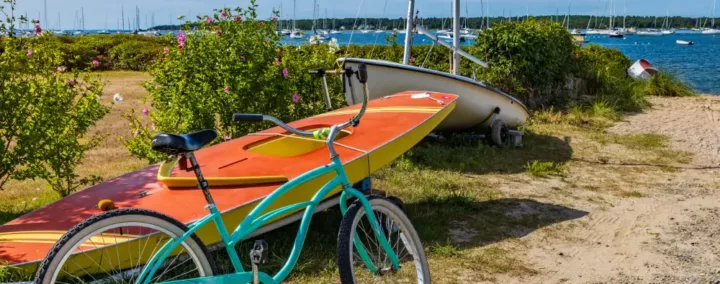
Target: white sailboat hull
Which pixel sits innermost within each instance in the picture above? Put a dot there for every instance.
(476, 102)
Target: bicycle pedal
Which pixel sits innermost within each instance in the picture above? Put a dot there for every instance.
(259, 252)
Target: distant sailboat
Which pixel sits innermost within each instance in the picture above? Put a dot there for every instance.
(667, 30)
(295, 33)
(712, 30)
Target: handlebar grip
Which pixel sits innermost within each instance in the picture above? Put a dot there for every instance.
(362, 72)
(320, 72)
(252, 117)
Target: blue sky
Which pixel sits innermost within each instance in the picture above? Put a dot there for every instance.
(96, 11)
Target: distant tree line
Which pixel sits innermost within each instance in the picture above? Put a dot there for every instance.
(576, 22)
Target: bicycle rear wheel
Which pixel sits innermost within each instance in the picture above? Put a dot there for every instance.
(401, 235)
(114, 247)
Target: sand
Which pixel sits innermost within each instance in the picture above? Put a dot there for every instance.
(642, 224)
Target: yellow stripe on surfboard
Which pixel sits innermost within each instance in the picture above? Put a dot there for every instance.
(167, 167)
(53, 236)
(386, 109)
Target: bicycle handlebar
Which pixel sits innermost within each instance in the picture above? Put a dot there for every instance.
(335, 129)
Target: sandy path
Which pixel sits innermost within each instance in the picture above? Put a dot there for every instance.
(693, 124)
(668, 234)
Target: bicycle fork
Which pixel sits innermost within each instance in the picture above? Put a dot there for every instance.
(373, 223)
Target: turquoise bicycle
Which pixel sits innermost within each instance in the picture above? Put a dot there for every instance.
(142, 246)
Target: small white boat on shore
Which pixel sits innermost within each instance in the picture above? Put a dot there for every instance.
(642, 70)
(684, 42)
(477, 104)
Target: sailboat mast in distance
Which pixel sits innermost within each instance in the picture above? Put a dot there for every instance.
(46, 20)
(123, 17)
(294, 9)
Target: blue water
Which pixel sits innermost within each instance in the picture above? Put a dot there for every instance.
(698, 65)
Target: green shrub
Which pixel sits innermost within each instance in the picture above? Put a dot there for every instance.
(230, 67)
(44, 116)
(531, 60)
(665, 85)
(603, 76)
(134, 55)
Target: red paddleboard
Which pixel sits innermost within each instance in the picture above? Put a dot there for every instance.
(241, 172)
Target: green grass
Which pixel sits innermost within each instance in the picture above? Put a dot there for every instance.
(545, 169)
(646, 141)
(665, 84)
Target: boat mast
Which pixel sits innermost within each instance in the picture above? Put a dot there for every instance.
(713, 15)
(456, 36)
(46, 20)
(408, 31)
(624, 15)
(294, 10)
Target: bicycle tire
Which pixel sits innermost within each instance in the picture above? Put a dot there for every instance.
(60, 252)
(348, 227)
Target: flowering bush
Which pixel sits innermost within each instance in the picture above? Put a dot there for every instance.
(44, 116)
(232, 63)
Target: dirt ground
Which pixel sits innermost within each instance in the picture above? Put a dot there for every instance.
(641, 223)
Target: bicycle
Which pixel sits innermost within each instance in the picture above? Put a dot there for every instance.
(390, 241)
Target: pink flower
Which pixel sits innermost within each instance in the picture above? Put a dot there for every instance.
(38, 30)
(166, 50)
(296, 98)
(227, 137)
(181, 39)
(242, 58)
(285, 72)
(274, 18)
(71, 82)
(224, 14)
(208, 20)
(145, 111)
(227, 89)
(237, 19)
(277, 61)
(61, 69)
(95, 63)
(30, 53)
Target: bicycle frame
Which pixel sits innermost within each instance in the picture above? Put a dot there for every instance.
(255, 220)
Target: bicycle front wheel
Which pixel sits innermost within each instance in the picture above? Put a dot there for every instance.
(115, 246)
(400, 234)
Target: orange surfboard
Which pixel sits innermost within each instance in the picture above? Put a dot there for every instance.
(241, 172)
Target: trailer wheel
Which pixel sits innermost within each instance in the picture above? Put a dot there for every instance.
(499, 133)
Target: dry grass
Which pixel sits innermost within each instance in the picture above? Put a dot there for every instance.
(109, 159)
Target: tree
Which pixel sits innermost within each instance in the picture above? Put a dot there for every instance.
(45, 113)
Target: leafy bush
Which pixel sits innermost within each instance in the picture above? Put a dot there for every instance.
(666, 85)
(232, 64)
(44, 116)
(134, 55)
(531, 60)
(604, 77)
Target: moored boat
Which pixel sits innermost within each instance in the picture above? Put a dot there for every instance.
(684, 42)
(240, 172)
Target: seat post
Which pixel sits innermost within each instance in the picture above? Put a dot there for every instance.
(202, 182)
